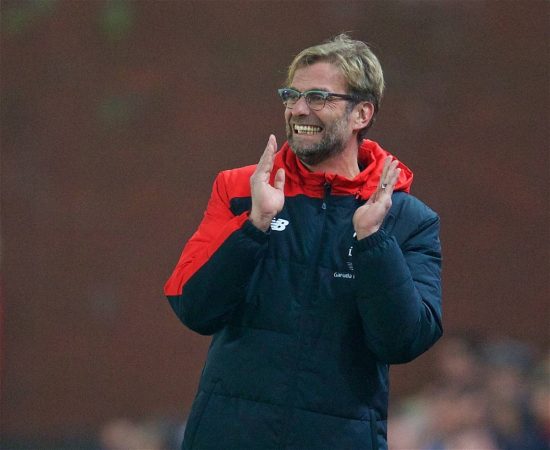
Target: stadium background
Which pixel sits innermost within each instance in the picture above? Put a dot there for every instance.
(116, 117)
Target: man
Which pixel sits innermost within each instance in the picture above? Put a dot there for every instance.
(313, 270)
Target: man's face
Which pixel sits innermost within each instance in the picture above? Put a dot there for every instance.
(315, 136)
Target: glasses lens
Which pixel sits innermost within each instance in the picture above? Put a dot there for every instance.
(316, 99)
(289, 96)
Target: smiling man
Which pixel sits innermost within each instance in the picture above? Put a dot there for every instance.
(314, 270)
(319, 132)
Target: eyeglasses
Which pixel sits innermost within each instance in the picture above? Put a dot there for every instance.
(315, 99)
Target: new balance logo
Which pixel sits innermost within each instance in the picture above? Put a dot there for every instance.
(279, 224)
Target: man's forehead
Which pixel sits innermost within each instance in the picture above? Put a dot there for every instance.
(322, 75)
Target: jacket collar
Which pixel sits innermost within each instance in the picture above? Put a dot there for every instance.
(371, 156)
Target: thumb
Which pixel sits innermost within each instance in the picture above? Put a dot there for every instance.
(279, 181)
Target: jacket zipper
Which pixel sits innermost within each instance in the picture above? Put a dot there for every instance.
(311, 275)
(327, 187)
(309, 292)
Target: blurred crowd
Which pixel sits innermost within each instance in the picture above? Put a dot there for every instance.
(145, 434)
(480, 396)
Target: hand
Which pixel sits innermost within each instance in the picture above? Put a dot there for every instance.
(369, 217)
(267, 200)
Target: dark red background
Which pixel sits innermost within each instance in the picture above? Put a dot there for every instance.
(116, 117)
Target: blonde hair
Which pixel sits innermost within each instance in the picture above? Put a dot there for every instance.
(359, 65)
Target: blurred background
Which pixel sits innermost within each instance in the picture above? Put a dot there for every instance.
(116, 118)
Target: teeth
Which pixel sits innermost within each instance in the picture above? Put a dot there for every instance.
(307, 129)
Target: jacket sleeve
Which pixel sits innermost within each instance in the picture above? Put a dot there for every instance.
(399, 291)
(215, 266)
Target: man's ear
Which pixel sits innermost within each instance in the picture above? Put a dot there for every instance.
(362, 115)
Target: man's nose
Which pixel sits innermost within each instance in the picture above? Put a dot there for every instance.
(300, 108)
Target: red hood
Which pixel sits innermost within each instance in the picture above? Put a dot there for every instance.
(299, 180)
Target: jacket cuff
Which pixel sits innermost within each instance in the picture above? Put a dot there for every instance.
(371, 241)
(255, 233)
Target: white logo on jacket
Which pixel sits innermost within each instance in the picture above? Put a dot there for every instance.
(349, 263)
(279, 224)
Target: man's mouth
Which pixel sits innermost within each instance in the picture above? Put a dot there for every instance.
(306, 129)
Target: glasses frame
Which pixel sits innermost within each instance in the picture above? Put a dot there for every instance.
(324, 94)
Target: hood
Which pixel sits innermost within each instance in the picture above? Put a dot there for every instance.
(300, 180)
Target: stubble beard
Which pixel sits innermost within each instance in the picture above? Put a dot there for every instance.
(331, 145)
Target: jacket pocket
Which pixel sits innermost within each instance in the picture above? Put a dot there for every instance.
(200, 404)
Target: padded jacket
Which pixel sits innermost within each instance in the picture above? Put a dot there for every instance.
(306, 319)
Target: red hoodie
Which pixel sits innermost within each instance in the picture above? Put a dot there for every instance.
(300, 180)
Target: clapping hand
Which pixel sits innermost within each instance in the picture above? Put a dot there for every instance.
(267, 200)
(369, 217)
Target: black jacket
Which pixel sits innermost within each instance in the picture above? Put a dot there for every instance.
(306, 319)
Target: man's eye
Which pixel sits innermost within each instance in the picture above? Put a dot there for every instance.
(315, 97)
(290, 95)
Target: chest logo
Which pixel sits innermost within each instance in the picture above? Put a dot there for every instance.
(349, 263)
(279, 224)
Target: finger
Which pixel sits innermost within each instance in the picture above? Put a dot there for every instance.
(395, 170)
(385, 169)
(393, 181)
(388, 183)
(388, 178)
(265, 164)
(383, 177)
(279, 181)
(271, 145)
(267, 151)
(382, 183)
